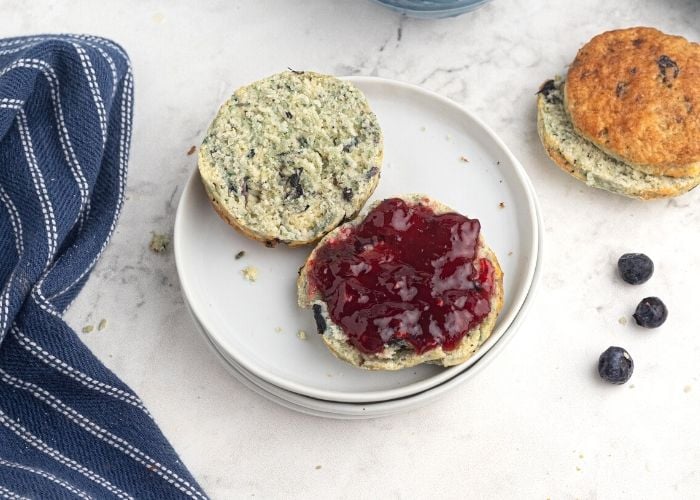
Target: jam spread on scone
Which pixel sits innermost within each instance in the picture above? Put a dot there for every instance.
(405, 274)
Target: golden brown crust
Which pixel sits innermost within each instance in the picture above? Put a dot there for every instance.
(635, 93)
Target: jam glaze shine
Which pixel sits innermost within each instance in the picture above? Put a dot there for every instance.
(405, 274)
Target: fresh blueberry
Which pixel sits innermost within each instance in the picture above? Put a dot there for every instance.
(615, 365)
(650, 313)
(635, 268)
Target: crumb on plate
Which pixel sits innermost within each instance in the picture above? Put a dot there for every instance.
(464, 159)
(250, 273)
(88, 328)
(240, 255)
(301, 334)
(102, 324)
(191, 151)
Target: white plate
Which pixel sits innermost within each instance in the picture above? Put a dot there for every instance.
(424, 137)
(336, 410)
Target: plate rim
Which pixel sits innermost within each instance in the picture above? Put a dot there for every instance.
(414, 387)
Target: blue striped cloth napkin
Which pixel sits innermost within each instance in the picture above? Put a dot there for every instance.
(69, 428)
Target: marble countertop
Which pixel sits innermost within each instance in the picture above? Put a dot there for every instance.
(537, 422)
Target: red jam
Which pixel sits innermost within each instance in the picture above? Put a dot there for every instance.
(405, 273)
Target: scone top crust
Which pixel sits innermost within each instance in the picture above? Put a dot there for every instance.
(635, 93)
(289, 157)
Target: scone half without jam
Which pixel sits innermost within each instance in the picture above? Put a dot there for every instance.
(290, 157)
(410, 281)
(627, 118)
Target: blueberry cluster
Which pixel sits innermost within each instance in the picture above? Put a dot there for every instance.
(615, 364)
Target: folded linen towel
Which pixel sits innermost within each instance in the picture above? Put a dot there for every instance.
(68, 426)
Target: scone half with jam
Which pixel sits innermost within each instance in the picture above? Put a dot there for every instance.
(410, 281)
(291, 156)
(626, 118)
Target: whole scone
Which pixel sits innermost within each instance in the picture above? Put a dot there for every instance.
(290, 157)
(635, 93)
(396, 346)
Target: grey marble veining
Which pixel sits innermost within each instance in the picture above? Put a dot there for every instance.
(536, 423)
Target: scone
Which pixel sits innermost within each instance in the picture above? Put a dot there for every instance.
(408, 282)
(290, 157)
(585, 161)
(626, 119)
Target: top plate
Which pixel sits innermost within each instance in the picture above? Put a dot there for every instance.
(425, 137)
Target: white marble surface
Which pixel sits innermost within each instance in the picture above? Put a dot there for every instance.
(537, 422)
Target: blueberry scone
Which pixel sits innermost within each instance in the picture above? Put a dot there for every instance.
(290, 157)
(408, 282)
(585, 161)
(626, 119)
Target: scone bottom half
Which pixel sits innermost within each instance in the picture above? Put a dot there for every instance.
(585, 161)
(290, 157)
(408, 282)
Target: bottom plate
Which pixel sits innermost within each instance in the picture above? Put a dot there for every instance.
(354, 411)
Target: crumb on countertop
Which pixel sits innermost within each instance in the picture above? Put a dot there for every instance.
(88, 328)
(159, 242)
(102, 324)
(301, 334)
(318, 467)
(631, 386)
(250, 273)
(240, 255)
(622, 320)
(278, 329)
(687, 388)
(191, 151)
(464, 159)
(502, 205)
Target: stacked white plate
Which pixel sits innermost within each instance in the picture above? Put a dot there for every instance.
(432, 146)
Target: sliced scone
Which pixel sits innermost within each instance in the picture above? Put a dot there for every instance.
(585, 161)
(290, 157)
(408, 282)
